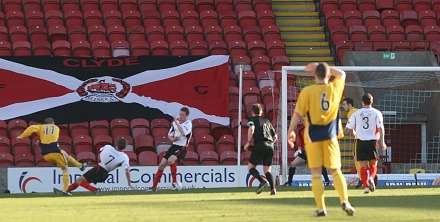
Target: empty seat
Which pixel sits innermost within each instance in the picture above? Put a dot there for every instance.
(108, 5)
(228, 158)
(237, 48)
(119, 127)
(57, 32)
(363, 46)
(65, 143)
(189, 18)
(73, 18)
(133, 158)
(139, 126)
(251, 95)
(245, 157)
(265, 18)
(131, 18)
(150, 18)
(261, 5)
(5, 145)
(61, 48)
(82, 143)
(170, 18)
(278, 62)
(67, 5)
(147, 5)
(162, 143)
(139, 48)
(179, 48)
(174, 33)
(99, 127)
(41, 48)
(352, 17)
(249, 79)
(395, 33)
(208, 18)
(408, 17)
(159, 48)
(435, 5)
(238, 61)
(191, 158)
(93, 17)
(159, 127)
(371, 17)
(252, 33)
(346, 5)
(3, 128)
(275, 48)
(432, 33)
(30, 5)
(232, 33)
(87, 5)
(79, 129)
(204, 143)
(34, 18)
(401, 46)
(101, 48)
(270, 33)
(427, 18)
(100, 141)
(247, 18)
(112, 17)
(421, 46)
(86, 157)
(341, 47)
(338, 33)
(218, 48)
(14, 18)
(328, 5)
(402, 5)
(18, 33)
(155, 33)
(209, 158)
(213, 33)
(358, 33)
(194, 33)
(390, 18)
(127, 5)
(334, 18)
(185, 5)
(40, 161)
(21, 48)
(414, 33)
(6, 159)
(24, 159)
(166, 5)
(225, 143)
(261, 63)
(227, 18)
(96, 33)
(219, 130)
(256, 48)
(270, 94)
(135, 33)
(198, 48)
(143, 143)
(365, 5)
(115, 33)
(147, 158)
(377, 32)
(201, 127)
(53, 18)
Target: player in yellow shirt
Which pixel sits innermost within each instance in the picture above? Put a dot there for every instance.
(348, 106)
(319, 103)
(49, 134)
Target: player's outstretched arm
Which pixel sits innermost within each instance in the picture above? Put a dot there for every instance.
(249, 136)
(28, 131)
(337, 72)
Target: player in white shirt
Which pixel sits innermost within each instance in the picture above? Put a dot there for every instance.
(180, 134)
(111, 158)
(366, 124)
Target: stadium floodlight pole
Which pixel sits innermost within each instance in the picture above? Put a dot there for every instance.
(240, 102)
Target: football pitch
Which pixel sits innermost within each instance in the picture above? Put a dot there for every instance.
(234, 204)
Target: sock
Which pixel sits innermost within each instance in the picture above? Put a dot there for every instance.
(86, 185)
(269, 178)
(318, 191)
(74, 162)
(325, 174)
(173, 168)
(358, 169)
(72, 187)
(291, 173)
(373, 171)
(340, 185)
(157, 178)
(254, 172)
(364, 177)
(65, 179)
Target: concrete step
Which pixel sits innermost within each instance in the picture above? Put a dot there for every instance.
(292, 1)
(294, 36)
(311, 59)
(297, 14)
(306, 44)
(307, 52)
(318, 29)
(297, 22)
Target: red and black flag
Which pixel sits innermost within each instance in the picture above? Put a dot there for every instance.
(73, 89)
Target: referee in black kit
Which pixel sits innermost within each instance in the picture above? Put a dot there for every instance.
(264, 136)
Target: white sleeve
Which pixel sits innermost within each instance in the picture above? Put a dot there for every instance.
(379, 120)
(187, 128)
(126, 163)
(351, 122)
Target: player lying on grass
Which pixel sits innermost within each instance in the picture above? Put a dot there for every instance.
(49, 134)
(111, 158)
(301, 158)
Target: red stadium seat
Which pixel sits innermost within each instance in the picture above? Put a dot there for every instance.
(185, 5)
(237, 48)
(4, 33)
(127, 5)
(54, 18)
(408, 17)
(41, 48)
(261, 63)
(265, 18)
(275, 48)
(233, 79)
(202, 5)
(435, 5)
(30, 5)
(338, 33)
(82, 143)
(328, 5)
(256, 48)
(401, 46)
(191, 146)
(119, 127)
(115, 33)
(147, 158)
(147, 5)
(265, 78)
(143, 143)
(21, 48)
(34, 18)
(402, 5)
(414, 33)
(261, 5)
(139, 126)
(352, 17)
(346, 5)
(363, 46)
(341, 47)
(24, 159)
(101, 48)
(233, 110)
(249, 79)
(201, 127)
(151, 18)
(189, 18)
(334, 18)
(421, 5)
(20, 146)
(133, 158)
(40, 161)
(245, 157)
(427, 18)
(87, 5)
(395, 33)
(155, 33)
(120, 48)
(228, 158)
(191, 158)
(14, 18)
(162, 143)
(252, 33)
(18, 33)
(57, 32)
(209, 158)
(174, 33)
(198, 48)
(251, 95)
(86, 157)
(135, 33)
(225, 143)
(365, 5)
(48, 5)
(371, 17)
(204, 143)
(16, 127)
(278, 62)
(213, 33)
(358, 33)
(159, 127)
(5, 48)
(237, 61)
(92, 18)
(242, 5)
(3, 128)
(218, 48)
(96, 33)
(81, 48)
(244, 129)
(100, 141)
(271, 111)
(166, 5)
(112, 17)
(108, 5)
(247, 18)
(79, 129)
(420, 46)
(377, 32)
(140, 48)
(270, 33)
(6, 159)
(159, 48)
(74, 18)
(194, 33)
(219, 130)
(179, 48)
(99, 127)
(67, 5)
(390, 18)
(65, 143)
(270, 94)
(131, 18)
(227, 18)
(5, 145)
(170, 18)
(232, 33)
(208, 18)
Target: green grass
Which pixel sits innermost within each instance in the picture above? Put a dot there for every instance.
(235, 204)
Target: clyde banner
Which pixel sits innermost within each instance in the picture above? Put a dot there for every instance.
(74, 89)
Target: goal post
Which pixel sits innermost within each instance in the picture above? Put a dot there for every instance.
(420, 81)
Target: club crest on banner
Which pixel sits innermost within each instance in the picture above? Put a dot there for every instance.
(104, 89)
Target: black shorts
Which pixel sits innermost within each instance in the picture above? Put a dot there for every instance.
(262, 153)
(178, 151)
(96, 175)
(366, 150)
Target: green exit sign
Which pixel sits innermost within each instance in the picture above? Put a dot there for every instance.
(388, 55)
